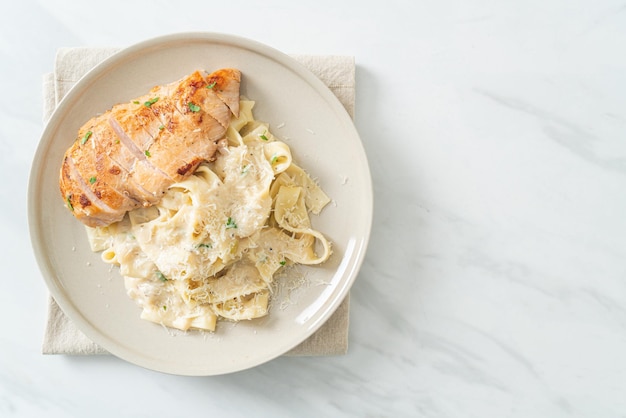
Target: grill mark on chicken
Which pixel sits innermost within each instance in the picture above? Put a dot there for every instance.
(187, 167)
(84, 201)
(136, 150)
(184, 169)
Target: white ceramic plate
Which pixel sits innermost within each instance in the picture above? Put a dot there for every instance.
(323, 140)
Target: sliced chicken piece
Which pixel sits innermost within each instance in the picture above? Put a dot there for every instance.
(128, 156)
(112, 158)
(227, 92)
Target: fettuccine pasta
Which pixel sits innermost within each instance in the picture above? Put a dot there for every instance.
(211, 247)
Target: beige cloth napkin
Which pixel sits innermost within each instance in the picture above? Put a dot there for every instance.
(61, 335)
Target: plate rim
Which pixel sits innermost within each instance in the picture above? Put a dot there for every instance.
(118, 348)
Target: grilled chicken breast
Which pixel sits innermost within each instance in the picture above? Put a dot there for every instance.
(127, 157)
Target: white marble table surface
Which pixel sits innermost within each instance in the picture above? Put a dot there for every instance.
(495, 280)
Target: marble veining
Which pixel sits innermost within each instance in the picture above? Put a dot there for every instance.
(566, 133)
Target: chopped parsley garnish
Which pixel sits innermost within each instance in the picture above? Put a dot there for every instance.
(92, 180)
(151, 102)
(282, 263)
(263, 137)
(230, 224)
(193, 107)
(161, 276)
(86, 137)
(161, 127)
(136, 101)
(164, 308)
(210, 86)
(68, 199)
(147, 153)
(274, 159)
(203, 245)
